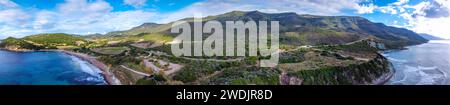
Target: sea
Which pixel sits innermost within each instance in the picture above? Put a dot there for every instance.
(46, 68)
(424, 64)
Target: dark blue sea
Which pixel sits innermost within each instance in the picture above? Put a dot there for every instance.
(46, 68)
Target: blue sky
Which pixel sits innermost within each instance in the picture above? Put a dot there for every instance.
(19, 18)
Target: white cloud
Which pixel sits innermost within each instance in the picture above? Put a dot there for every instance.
(13, 16)
(7, 4)
(10, 13)
(84, 8)
(388, 9)
(135, 3)
(364, 9)
(44, 20)
(400, 2)
(96, 17)
(435, 26)
(393, 8)
(72, 16)
(430, 17)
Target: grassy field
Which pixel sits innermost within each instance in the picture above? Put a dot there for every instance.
(110, 50)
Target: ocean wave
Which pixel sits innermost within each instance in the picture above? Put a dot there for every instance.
(427, 68)
(421, 75)
(396, 60)
(88, 68)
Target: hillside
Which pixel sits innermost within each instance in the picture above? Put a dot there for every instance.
(57, 38)
(46, 41)
(15, 44)
(298, 29)
(144, 28)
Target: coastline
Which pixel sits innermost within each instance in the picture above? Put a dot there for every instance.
(386, 77)
(383, 79)
(109, 77)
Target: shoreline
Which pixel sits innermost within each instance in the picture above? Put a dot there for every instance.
(383, 79)
(108, 76)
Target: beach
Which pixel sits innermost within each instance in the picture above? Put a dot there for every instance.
(109, 77)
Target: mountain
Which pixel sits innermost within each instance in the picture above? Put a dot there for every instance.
(144, 28)
(430, 37)
(305, 29)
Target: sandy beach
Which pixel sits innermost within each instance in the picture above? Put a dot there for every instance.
(109, 77)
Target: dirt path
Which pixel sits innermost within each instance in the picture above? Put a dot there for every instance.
(134, 71)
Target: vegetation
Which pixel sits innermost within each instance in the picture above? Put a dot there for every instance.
(118, 59)
(350, 75)
(333, 60)
(18, 44)
(357, 47)
(246, 76)
(110, 50)
(194, 70)
(293, 56)
(153, 80)
(55, 40)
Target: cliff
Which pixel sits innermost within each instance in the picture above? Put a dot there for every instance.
(376, 71)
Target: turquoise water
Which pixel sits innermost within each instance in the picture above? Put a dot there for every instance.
(46, 68)
(425, 64)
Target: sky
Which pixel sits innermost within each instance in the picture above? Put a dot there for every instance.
(20, 18)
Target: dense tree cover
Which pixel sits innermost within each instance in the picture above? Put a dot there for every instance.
(246, 76)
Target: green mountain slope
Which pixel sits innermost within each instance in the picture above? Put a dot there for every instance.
(55, 39)
(17, 44)
(298, 29)
(144, 28)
